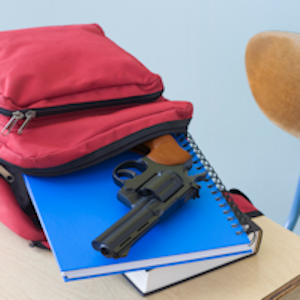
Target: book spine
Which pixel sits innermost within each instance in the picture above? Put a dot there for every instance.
(217, 187)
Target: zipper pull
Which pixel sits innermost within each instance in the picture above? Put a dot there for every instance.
(29, 115)
(16, 116)
(6, 175)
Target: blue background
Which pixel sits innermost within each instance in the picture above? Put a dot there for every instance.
(198, 47)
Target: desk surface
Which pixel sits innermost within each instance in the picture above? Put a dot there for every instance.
(32, 273)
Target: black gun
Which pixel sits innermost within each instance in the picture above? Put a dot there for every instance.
(153, 195)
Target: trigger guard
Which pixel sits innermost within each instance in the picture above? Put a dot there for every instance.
(125, 173)
(123, 167)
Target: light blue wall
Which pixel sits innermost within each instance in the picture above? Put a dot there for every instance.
(198, 48)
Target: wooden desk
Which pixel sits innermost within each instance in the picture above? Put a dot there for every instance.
(32, 274)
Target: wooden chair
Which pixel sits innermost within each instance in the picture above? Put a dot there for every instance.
(273, 70)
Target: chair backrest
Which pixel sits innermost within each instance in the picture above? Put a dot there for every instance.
(273, 70)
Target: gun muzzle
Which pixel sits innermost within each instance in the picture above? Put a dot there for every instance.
(117, 240)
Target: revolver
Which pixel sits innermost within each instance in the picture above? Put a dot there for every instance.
(153, 186)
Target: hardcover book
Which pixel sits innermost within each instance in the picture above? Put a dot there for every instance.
(153, 280)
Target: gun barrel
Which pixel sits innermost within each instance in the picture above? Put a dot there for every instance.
(117, 240)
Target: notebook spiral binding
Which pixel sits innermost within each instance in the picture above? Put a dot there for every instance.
(198, 156)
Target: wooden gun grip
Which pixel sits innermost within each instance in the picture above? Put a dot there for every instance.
(164, 150)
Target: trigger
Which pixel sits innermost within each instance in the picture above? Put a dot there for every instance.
(117, 176)
(126, 173)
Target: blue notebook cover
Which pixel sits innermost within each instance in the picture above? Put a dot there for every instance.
(76, 208)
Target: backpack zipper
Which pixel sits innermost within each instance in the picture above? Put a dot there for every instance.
(28, 115)
(6, 175)
(16, 116)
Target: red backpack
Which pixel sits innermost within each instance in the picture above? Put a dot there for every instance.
(71, 98)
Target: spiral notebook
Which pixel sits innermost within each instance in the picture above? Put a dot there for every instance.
(75, 208)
